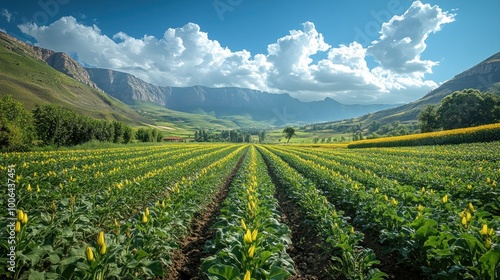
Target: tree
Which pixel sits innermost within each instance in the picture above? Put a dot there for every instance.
(16, 128)
(262, 136)
(428, 120)
(128, 135)
(468, 108)
(289, 133)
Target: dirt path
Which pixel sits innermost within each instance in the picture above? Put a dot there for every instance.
(186, 261)
(310, 260)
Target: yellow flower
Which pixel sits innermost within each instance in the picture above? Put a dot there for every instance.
(423, 189)
(20, 215)
(464, 221)
(100, 238)
(376, 190)
(254, 234)
(18, 227)
(163, 204)
(90, 254)
(445, 198)
(393, 201)
(147, 211)
(243, 225)
(144, 218)
(103, 249)
(352, 230)
(247, 275)
(29, 188)
(468, 216)
(247, 238)
(386, 198)
(420, 208)
(471, 207)
(484, 230)
(251, 251)
(37, 188)
(25, 218)
(491, 232)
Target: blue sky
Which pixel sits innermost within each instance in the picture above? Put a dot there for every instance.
(356, 51)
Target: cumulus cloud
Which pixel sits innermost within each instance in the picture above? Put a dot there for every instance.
(7, 15)
(186, 56)
(402, 39)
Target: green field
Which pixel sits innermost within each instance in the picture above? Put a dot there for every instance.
(224, 211)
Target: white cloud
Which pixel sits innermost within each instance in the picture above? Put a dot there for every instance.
(402, 39)
(186, 56)
(8, 15)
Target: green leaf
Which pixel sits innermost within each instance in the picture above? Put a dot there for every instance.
(35, 275)
(54, 258)
(156, 268)
(490, 262)
(278, 273)
(141, 254)
(70, 260)
(221, 271)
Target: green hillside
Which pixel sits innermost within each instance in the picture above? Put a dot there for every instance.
(32, 82)
(195, 120)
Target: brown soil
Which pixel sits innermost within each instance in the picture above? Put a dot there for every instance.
(186, 260)
(310, 260)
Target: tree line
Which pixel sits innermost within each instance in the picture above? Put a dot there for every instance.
(53, 125)
(465, 108)
(234, 136)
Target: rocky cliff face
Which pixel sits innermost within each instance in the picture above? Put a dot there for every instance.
(65, 64)
(128, 88)
(485, 74)
(58, 60)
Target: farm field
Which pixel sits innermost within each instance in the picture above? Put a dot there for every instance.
(223, 211)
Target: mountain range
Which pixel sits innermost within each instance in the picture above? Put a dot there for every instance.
(36, 76)
(277, 109)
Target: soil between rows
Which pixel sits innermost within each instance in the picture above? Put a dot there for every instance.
(310, 260)
(186, 260)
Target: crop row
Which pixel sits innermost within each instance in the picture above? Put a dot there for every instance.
(340, 240)
(250, 242)
(483, 133)
(446, 237)
(473, 180)
(58, 239)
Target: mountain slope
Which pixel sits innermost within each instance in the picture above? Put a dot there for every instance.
(26, 74)
(483, 76)
(275, 109)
